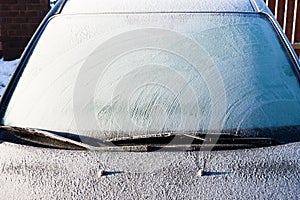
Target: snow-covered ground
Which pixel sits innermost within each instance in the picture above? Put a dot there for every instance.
(6, 70)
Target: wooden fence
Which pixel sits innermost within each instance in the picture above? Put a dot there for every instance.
(287, 13)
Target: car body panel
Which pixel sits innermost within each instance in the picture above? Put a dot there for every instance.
(33, 173)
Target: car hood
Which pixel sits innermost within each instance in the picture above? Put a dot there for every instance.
(30, 172)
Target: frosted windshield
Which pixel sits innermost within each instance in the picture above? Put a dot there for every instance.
(106, 74)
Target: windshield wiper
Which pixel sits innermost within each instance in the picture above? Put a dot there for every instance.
(39, 138)
(47, 139)
(181, 141)
(169, 141)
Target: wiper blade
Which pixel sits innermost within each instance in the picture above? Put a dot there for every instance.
(47, 139)
(39, 138)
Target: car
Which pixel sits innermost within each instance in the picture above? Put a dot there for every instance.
(137, 99)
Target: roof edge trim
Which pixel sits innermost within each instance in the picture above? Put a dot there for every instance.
(254, 5)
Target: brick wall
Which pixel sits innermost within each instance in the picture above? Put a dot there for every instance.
(18, 21)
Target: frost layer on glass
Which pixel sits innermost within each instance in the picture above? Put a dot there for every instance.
(106, 6)
(108, 75)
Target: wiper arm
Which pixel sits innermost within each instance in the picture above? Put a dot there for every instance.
(151, 137)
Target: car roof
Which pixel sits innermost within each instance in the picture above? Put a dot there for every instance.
(136, 6)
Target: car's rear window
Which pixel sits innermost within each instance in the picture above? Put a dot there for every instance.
(107, 74)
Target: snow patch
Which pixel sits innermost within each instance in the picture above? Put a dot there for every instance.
(6, 70)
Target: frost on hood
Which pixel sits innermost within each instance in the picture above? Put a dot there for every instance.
(157, 72)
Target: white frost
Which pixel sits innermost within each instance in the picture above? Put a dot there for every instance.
(97, 6)
(6, 70)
